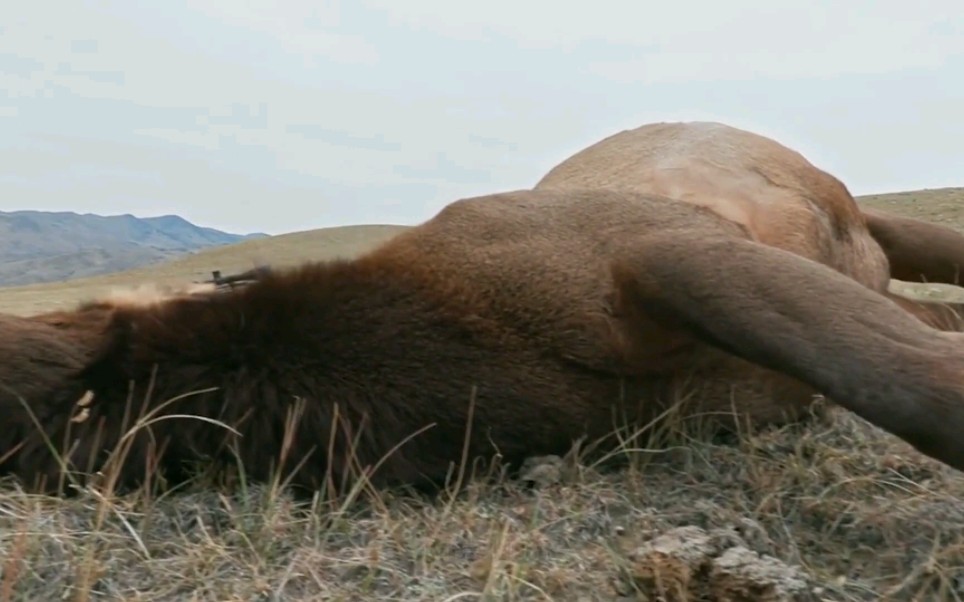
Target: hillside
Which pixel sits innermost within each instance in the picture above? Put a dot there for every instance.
(938, 205)
(281, 250)
(41, 246)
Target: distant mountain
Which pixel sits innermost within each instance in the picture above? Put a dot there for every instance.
(42, 246)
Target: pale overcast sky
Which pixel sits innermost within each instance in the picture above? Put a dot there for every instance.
(280, 116)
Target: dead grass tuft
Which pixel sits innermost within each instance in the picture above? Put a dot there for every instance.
(833, 510)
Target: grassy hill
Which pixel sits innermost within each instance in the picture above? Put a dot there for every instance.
(939, 205)
(285, 249)
(43, 246)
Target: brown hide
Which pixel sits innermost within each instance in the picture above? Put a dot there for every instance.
(527, 319)
(779, 197)
(38, 369)
(918, 251)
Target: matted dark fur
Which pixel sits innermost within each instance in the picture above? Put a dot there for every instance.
(672, 260)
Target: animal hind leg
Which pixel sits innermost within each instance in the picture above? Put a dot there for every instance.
(810, 322)
(918, 250)
(943, 316)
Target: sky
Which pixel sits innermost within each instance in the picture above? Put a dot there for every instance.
(279, 116)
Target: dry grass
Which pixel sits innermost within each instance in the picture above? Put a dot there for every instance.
(939, 205)
(847, 511)
(860, 516)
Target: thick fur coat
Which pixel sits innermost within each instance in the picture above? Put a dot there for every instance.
(673, 262)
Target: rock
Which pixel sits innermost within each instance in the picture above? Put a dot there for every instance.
(688, 563)
(671, 566)
(541, 471)
(742, 575)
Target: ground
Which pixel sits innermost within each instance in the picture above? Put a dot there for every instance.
(833, 510)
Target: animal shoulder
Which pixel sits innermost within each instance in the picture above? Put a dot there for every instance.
(536, 257)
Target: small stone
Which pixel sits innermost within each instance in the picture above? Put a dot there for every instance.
(542, 471)
(670, 566)
(741, 575)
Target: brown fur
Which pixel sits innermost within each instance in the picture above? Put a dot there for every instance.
(42, 355)
(530, 318)
(779, 197)
(38, 370)
(918, 251)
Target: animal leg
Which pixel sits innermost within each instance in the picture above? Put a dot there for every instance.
(801, 318)
(918, 250)
(943, 316)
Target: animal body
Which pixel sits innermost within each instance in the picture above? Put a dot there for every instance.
(690, 261)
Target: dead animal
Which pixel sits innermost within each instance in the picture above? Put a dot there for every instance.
(675, 261)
